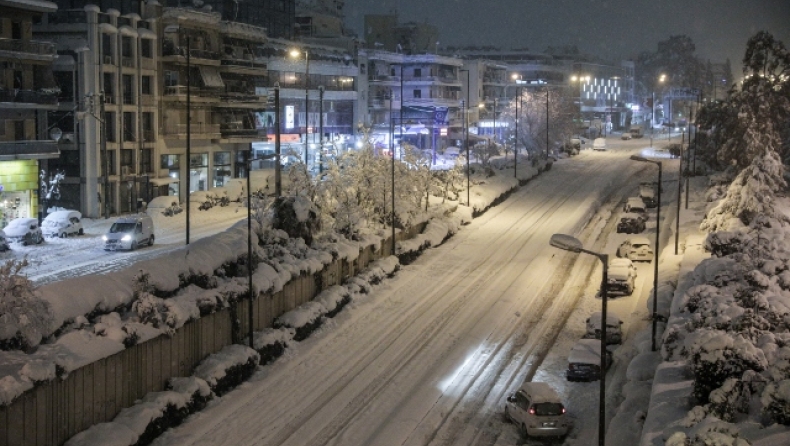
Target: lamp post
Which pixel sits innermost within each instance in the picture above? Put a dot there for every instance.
(580, 79)
(572, 244)
(189, 135)
(296, 53)
(656, 251)
(547, 122)
(466, 136)
(653, 107)
(321, 128)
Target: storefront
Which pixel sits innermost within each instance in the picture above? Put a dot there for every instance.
(18, 190)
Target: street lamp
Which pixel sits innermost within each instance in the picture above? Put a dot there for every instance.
(653, 107)
(655, 252)
(572, 244)
(295, 53)
(466, 135)
(580, 79)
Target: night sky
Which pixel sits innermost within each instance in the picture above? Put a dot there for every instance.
(610, 29)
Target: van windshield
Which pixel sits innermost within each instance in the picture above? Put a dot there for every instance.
(548, 409)
(122, 227)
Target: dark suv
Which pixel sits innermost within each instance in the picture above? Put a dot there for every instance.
(631, 223)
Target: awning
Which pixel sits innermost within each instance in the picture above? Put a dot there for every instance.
(211, 77)
(162, 181)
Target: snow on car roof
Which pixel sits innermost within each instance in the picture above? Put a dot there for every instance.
(640, 241)
(60, 215)
(586, 351)
(540, 392)
(632, 215)
(612, 320)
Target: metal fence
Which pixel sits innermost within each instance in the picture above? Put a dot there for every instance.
(53, 412)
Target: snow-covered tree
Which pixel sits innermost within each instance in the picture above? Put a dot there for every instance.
(24, 318)
(776, 401)
(752, 192)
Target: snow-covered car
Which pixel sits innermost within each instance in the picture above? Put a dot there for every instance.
(3, 242)
(621, 276)
(614, 328)
(584, 361)
(635, 205)
(631, 223)
(625, 136)
(24, 230)
(538, 411)
(599, 144)
(62, 224)
(636, 249)
(647, 193)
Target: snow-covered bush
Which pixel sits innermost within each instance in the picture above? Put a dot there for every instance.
(710, 432)
(304, 319)
(270, 343)
(296, 216)
(333, 299)
(717, 355)
(228, 368)
(24, 318)
(776, 401)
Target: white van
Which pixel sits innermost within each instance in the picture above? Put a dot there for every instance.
(62, 224)
(130, 233)
(538, 411)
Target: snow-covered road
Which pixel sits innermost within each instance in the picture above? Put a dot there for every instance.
(429, 357)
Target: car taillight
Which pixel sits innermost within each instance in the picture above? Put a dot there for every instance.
(532, 411)
(563, 410)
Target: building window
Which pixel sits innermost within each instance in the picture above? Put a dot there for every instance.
(171, 78)
(148, 126)
(111, 162)
(128, 126)
(128, 89)
(146, 85)
(417, 94)
(109, 126)
(109, 88)
(145, 161)
(127, 161)
(418, 72)
(198, 172)
(169, 162)
(146, 48)
(222, 172)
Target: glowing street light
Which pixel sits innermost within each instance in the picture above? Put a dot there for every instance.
(572, 244)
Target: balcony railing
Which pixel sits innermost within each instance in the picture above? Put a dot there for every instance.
(29, 97)
(67, 16)
(28, 46)
(127, 62)
(28, 150)
(199, 128)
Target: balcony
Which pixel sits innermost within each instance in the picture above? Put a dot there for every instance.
(198, 130)
(33, 98)
(28, 150)
(34, 50)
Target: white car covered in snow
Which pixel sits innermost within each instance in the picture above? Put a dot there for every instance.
(636, 249)
(621, 276)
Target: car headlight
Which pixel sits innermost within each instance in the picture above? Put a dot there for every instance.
(104, 237)
(126, 238)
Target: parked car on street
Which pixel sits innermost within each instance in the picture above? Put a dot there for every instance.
(24, 230)
(538, 411)
(635, 205)
(130, 233)
(647, 193)
(599, 144)
(636, 249)
(621, 276)
(584, 361)
(614, 328)
(62, 224)
(631, 223)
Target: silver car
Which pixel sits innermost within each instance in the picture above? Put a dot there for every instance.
(24, 230)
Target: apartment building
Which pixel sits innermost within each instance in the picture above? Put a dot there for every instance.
(107, 73)
(28, 91)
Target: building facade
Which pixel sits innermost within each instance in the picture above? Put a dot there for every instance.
(28, 92)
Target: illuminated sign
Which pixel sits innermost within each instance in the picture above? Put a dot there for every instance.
(289, 116)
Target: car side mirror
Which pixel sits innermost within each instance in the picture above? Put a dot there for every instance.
(511, 399)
